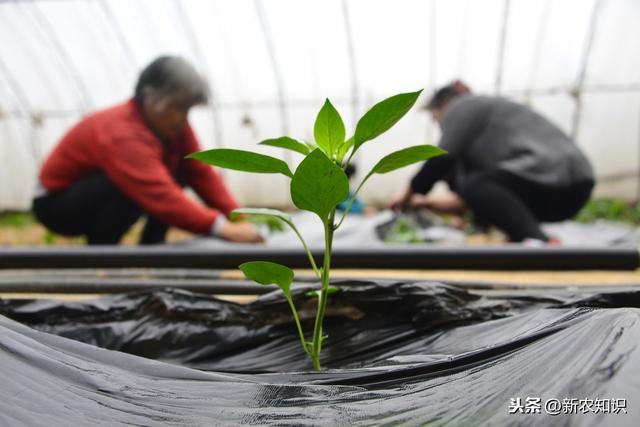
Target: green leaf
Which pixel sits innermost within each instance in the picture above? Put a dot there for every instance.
(406, 157)
(260, 212)
(344, 148)
(274, 213)
(274, 225)
(269, 273)
(318, 185)
(242, 160)
(270, 217)
(382, 116)
(329, 129)
(288, 144)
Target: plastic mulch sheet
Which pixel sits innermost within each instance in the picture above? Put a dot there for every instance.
(397, 354)
(387, 229)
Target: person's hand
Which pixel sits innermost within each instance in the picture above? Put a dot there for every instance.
(240, 232)
(448, 203)
(402, 202)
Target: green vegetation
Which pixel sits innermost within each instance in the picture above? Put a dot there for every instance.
(272, 224)
(404, 230)
(611, 210)
(17, 219)
(25, 224)
(318, 185)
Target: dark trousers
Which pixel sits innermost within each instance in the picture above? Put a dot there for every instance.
(517, 206)
(94, 207)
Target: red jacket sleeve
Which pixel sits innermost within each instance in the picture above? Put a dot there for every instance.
(205, 180)
(135, 166)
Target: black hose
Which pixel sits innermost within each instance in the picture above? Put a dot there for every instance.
(396, 257)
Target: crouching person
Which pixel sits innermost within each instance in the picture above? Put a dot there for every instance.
(126, 161)
(507, 164)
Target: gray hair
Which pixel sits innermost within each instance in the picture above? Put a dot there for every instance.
(172, 77)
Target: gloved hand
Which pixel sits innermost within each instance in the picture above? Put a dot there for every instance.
(403, 202)
(238, 232)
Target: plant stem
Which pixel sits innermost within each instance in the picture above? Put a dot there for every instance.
(322, 301)
(353, 151)
(306, 249)
(297, 319)
(351, 200)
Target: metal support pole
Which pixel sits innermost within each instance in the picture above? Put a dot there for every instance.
(502, 46)
(65, 59)
(268, 39)
(433, 57)
(355, 91)
(638, 171)
(537, 51)
(198, 52)
(277, 72)
(586, 54)
(462, 52)
(24, 109)
(122, 40)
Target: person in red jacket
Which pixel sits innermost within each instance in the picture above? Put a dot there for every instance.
(126, 161)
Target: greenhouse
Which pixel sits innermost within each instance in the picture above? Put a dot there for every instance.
(342, 212)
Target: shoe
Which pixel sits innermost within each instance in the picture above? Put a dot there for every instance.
(537, 243)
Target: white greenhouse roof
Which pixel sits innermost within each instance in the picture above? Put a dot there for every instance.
(271, 63)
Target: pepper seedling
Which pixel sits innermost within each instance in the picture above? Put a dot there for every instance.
(318, 185)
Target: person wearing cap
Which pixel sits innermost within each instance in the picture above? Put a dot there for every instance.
(126, 161)
(507, 164)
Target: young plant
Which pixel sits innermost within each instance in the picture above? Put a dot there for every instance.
(318, 185)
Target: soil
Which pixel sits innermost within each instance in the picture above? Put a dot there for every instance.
(37, 235)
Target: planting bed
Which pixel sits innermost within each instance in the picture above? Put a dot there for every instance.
(398, 352)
